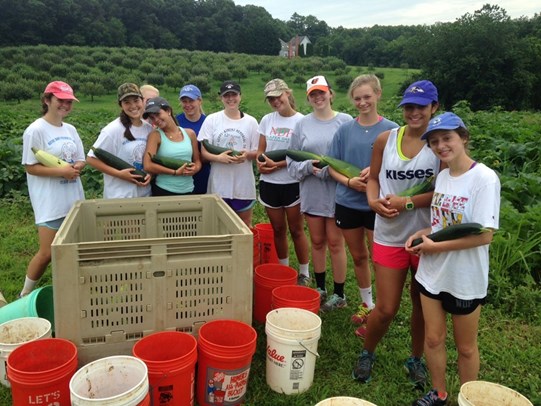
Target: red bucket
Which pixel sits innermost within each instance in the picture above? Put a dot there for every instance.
(225, 350)
(266, 278)
(170, 357)
(266, 240)
(301, 297)
(257, 250)
(40, 372)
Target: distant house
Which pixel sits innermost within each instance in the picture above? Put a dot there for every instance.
(295, 47)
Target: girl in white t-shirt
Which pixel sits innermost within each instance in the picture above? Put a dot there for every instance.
(453, 275)
(126, 138)
(52, 191)
(279, 191)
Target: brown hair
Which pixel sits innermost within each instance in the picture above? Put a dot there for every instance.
(44, 106)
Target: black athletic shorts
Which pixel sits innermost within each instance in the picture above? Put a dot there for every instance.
(276, 196)
(452, 304)
(347, 218)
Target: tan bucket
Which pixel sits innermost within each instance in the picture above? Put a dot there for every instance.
(344, 401)
(482, 393)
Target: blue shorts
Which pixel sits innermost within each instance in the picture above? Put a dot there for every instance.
(53, 224)
(240, 205)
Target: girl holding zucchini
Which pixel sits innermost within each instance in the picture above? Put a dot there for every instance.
(230, 141)
(278, 191)
(171, 153)
(400, 160)
(53, 187)
(453, 272)
(314, 133)
(353, 143)
(125, 138)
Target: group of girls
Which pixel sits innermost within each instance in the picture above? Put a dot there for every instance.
(364, 212)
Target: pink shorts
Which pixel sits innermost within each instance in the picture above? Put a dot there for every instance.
(393, 257)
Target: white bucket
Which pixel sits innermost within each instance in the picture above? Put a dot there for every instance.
(292, 337)
(482, 393)
(14, 333)
(118, 380)
(344, 401)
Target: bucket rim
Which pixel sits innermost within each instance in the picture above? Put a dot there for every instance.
(165, 366)
(22, 319)
(492, 385)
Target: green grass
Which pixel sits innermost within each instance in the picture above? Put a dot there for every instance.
(510, 349)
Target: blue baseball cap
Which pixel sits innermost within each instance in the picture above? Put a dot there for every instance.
(191, 91)
(445, 121)
(421, 93)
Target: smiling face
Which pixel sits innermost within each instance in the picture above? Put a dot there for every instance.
(162, 120)
(416, 116)
(448, 145)
(59, 108)
(281, 104)
(231, 101)
(365, 99)
(132, 106)
(319, 100)
(191, 108)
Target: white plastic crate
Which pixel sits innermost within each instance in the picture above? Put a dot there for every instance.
(125, 268)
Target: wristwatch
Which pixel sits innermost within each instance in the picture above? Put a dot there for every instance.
(409, 203)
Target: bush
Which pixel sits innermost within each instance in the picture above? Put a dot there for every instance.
(342, 82)
(380, 75)
(202, 82)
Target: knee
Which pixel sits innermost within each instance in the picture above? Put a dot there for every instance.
(434, 339)
(467, 351)
(385, 314)
(296, 233)
(360, 258)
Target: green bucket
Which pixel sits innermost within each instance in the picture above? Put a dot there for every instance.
(38, 303)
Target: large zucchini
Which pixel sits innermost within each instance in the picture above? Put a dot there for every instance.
(115, 162)
(343, 167)
(277, 155)
(300, 156)
(171, 163)
(453, 232)
(424, 186)
(216, 150)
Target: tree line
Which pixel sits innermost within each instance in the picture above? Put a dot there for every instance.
(484, 57)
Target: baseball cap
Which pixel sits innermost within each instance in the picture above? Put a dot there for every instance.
(445, 121)
(421, 93)
(275, 88)
(154, 105)
(191, 91)
(229, 86)
(317, 83)
(60, 90)
(128, 89)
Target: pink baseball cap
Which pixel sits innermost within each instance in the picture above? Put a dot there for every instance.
(61, 90)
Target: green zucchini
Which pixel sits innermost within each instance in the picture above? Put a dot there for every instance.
(423, 187)
(171, 163)
(216, 150)
(277, 155)
(453, 232)
(115, 162)
(300, 156)
(343, 167)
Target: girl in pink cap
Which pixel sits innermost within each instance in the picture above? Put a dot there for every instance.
(52, 190)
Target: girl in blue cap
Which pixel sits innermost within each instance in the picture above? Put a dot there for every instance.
(400, 160)
(453, 275)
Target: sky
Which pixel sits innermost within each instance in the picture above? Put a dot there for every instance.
(361, 13)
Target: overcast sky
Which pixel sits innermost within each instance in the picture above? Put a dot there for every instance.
(361, 13)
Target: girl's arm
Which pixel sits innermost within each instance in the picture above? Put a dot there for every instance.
(430, 247)
(67, 172)
(196, 157)
(380, 205)
(153, 144)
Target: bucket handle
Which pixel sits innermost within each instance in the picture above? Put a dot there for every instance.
(308, 349)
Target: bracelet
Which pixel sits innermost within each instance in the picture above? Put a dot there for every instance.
(348, 181)
(175, 173)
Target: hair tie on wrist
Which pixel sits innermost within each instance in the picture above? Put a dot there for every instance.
(348, 181)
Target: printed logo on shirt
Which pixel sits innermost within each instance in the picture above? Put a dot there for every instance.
(447, 209)
(409, 174)
(280, 134)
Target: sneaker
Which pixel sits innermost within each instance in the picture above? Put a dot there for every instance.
(322, 295)
(335, 302)
(430, 399)
(362, 314)
(303, 280)
(417, 372)
(361, 331)
(362, 370)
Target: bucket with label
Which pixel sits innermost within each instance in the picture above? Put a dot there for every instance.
(481, 393)
(266, 278)
(344, 401)
(257, 247)
(266, 241)
(112, 381)
(301, 297)
(40, 372)
(38, 303)
(170, 357)
(16, 332)
(225, 350)
(292, 338)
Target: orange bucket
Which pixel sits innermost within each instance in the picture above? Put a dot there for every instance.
(40, 372)
(170, 357)
(266, 278)
(266, 240)
(225, 350)
(301, 297)
(257, 250)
